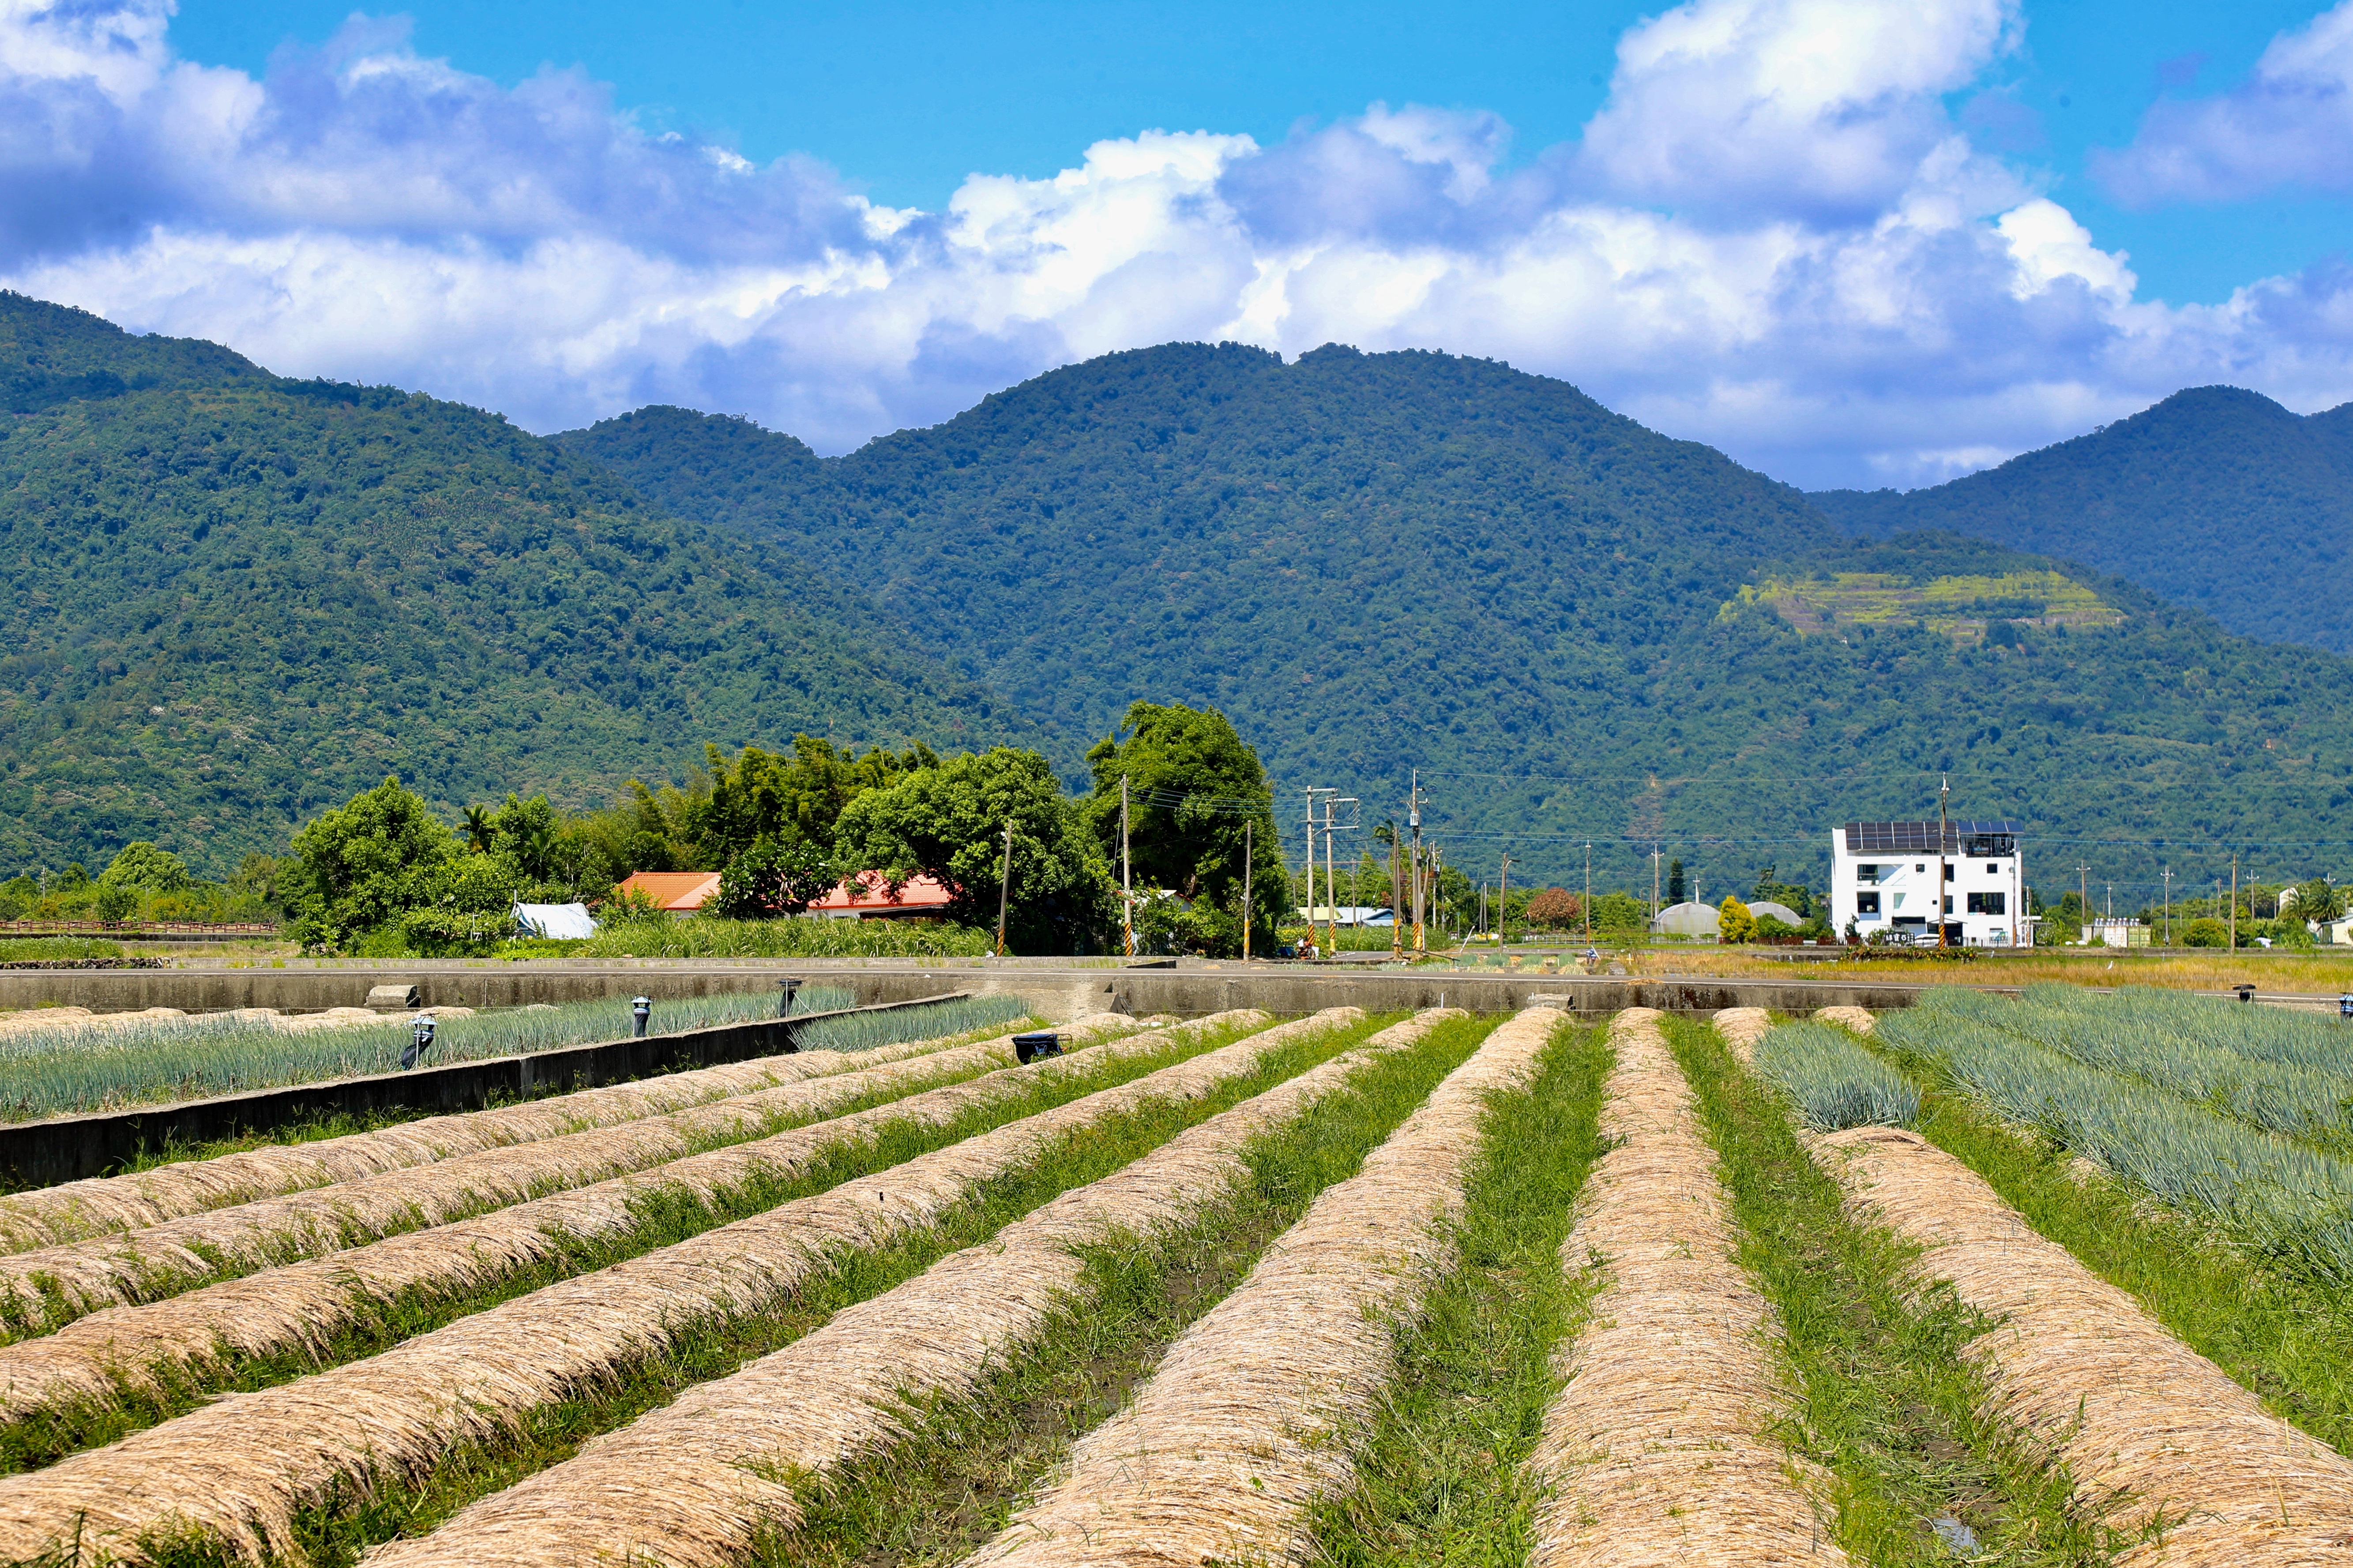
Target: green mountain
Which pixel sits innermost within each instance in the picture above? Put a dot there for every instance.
(2216, 498)
(232, 599)
(1575, 627)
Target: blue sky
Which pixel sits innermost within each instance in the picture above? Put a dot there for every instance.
(1848, 241)
(905, 100)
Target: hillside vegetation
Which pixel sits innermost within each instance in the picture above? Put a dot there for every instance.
(232, 599)
(1567, 621)
(2216, 499)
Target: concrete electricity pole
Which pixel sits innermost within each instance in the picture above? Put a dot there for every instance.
(2168, 906)
(1004, 887)
(1503, 908)
(2234, 903)
(1589, 892)
(1247, 826)
(1126, 879)
(1943, 900)
(1420, 908)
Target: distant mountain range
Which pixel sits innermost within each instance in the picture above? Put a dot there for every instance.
(233, 598)
(2216, 499)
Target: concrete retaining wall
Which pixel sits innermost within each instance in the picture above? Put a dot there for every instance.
(68, 1148)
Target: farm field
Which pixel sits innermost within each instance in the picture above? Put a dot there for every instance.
(2047, 1281)
(59, 1060)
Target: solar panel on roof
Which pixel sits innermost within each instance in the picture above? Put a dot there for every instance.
(1922, 838)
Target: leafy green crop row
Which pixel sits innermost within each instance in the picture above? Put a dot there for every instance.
(49, 1072)
(2290, 1200)
(1833, 1081)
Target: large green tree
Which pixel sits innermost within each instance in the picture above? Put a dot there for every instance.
(948, 821)
(1198, 799)
(367, 863)
(787, 798)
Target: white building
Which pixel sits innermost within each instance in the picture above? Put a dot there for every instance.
(1901, 877)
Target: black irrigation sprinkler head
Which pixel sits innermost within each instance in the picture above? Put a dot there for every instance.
(1028, 1049)
(641, 1008)
(420, 1040)
(2246, 993)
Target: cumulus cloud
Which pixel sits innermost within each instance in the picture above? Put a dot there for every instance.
(1772, 238)
(2288, 124)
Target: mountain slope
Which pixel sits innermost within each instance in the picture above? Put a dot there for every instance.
(232, 599)
(1576, 627)
(2215, 497)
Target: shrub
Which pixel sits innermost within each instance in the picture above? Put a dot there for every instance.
(2206, 932)
(1733, 922)
(774, 877)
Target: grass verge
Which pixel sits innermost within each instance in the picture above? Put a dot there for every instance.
(660, 1218)
(1886, 1405)
(1444, 1478)
(337, 1530)
(2284, 1337)
(969, 1463)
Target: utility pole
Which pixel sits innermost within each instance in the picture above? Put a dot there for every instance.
(2112, 903)
(1413, 820)
(1247, 826)
(2234, 901)
(1004, 887)
(1943, 900)
(2084, 890)
(1310, 792)
(1655, 852)
(2168, 906)
(1397, 896)
(1126, 879)
(1589, 892)
(1504, 909)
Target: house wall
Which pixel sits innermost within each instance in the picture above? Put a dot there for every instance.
(1905, 887)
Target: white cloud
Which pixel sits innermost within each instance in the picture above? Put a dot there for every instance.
(1772, 238)
(2288, 124)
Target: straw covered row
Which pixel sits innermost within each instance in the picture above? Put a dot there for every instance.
(130, 1265)
(1860, 1020)
(1256, 1412)
(691, 1484)
(1741, 1028)
(2140, 1419)
(73, 1210)
(240, 1467)
(302, 1305)
(1653, 1448)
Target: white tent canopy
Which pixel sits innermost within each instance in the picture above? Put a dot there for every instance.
(562, 922)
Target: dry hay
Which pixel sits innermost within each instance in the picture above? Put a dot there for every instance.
(2142, 1421)
(1255, 1414)
(132, 1266)
(300, 1306)
(1652, 1446)
(1741, 1028)
(843, 1390)
(1860, 1020)
(75, 1210)
(239, 1468)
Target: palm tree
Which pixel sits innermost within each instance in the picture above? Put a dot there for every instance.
(478, 828)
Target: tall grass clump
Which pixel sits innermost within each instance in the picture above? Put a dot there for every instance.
(707, 936)
(2289, 1200)
(1833, 1081)
(102, 1065)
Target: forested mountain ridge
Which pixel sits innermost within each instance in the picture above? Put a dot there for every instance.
(232, 599)
(1381, 562)
(2216, 498)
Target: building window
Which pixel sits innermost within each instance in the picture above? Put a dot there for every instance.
(1989, 903)
(1920, 868)
(1867, 875)
(1951, 870)
(1866, 903)
(1948, 903)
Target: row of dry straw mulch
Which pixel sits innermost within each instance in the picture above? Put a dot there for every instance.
(1256, 1412)
(1742, 1027)
(2147, 1426)
(240, 1468)
(842, 1392)
(300, 1306)
(175, 1254)
(1653, 1448)
(73, 1210)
